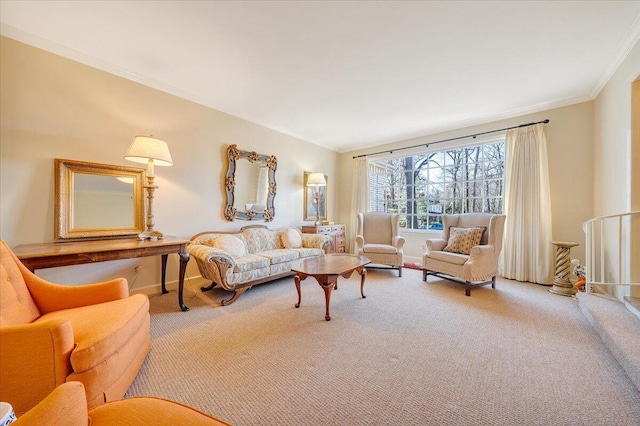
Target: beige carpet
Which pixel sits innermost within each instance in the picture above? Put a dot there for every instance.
(411, 353)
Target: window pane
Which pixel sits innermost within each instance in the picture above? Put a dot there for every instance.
(422, 187)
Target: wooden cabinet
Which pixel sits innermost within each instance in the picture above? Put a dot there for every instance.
(338, 241)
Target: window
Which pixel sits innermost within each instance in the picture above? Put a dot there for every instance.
(422, 187)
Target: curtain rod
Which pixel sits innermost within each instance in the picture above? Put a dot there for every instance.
(426, 145)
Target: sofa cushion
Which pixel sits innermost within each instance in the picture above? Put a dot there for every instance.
(250, 262)
(461, 240)
(96, 338)
(291, 238)
(308, 252)
(445, 256)
(379, 248)
(231, 244)
(279, 255)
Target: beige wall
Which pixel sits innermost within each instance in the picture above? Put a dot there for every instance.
(570, 147)
(616, 155)
(52, 107)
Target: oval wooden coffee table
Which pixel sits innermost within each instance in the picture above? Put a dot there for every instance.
(326, 270)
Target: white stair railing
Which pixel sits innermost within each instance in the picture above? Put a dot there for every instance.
(612, 250)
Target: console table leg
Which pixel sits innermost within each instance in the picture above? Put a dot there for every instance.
(164, 273)
(184, 259)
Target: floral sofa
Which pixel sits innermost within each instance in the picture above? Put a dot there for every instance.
(236, 261)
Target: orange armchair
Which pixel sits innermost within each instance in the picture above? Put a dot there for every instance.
(67, 405)
(50, 334)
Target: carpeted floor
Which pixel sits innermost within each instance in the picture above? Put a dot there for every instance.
(411, 353)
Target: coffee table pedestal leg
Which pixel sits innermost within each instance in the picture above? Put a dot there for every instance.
(561, 283)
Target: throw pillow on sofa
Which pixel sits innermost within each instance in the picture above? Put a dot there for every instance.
(461, 240)
(231, 244)
(291, 238)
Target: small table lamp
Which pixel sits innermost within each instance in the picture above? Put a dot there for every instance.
(316, 180)
(151, 151)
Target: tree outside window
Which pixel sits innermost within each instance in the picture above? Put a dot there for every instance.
(422, 187)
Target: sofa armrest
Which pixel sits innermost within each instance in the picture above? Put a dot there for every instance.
(213, 263)
(435, 244)
(35, 359)
(50, 297)
(359, 242)
(208, 254)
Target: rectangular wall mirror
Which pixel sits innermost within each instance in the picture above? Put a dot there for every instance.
(94, 200)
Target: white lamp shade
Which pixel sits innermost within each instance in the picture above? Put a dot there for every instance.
(316, 179)
(145, 148)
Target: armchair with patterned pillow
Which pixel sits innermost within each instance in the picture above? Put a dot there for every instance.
(469, 250)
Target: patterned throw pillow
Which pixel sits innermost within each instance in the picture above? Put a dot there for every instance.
(461, 240)
(291, 238)
(231, 244)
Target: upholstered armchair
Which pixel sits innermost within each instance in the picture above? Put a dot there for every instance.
(51, 334)
(469, 250)
(67, 405)
(377, 238)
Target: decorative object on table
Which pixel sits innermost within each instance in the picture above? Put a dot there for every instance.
(561, 283)
(151, 151)
(84, 191)
(315, 196)
(578, 271)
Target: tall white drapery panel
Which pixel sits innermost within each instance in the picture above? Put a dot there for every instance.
(359, 195)
(527, 253)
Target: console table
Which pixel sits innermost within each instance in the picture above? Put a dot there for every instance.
(51, 255)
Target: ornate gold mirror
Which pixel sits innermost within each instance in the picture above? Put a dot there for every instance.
(94, 200)
(250, 185)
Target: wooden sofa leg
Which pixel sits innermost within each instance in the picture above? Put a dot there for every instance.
(467, 288)
(400, 271)
(424, 275)
(236, 294)
(209, 287)
(493, 282)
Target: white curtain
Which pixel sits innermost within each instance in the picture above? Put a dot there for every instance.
(527, 253)
(359, 195)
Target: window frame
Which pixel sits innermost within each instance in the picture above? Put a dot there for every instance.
(396, 184)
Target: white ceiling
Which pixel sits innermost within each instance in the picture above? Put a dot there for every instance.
(346, 74)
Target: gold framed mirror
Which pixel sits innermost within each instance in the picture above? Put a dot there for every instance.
(94, 200)
(250, 185)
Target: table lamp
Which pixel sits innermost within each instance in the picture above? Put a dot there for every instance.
(151, 151)
(315, 181)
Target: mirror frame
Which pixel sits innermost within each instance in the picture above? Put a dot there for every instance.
(64, 202)
(231, 212)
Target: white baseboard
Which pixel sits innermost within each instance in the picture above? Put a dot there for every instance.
(155, 289)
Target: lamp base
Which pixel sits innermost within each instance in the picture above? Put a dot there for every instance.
(151, 234)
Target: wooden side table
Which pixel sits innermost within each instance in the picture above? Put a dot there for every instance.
(561, 283)
(51, 255)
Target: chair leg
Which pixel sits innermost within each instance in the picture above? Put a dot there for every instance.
(467, 288)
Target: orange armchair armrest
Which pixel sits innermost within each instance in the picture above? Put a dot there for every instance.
(67, 405)
(34, 359)
(50, 297)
